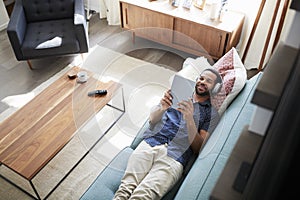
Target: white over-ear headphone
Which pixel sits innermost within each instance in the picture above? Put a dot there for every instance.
(216, 89)
(218, 86)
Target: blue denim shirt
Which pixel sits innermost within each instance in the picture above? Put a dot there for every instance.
(172, 130)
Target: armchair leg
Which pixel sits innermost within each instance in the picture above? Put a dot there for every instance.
(82, 57)
(29, 64)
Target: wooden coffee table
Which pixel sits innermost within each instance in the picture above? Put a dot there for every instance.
(34, 134)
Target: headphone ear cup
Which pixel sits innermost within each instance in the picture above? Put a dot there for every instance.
(216, 89)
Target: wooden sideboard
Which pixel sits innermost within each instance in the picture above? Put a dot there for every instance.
(189, 30)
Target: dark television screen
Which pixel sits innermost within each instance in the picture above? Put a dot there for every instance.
(295, 5)
(276, 171)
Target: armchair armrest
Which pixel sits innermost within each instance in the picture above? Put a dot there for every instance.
(80, 25)
(16, 28)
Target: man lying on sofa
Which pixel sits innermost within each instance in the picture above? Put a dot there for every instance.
(174, 135)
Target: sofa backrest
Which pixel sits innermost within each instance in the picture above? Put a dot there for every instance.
(41, 10)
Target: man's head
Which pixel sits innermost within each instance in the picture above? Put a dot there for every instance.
(209, 82)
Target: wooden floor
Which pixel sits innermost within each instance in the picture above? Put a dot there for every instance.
(16, 77)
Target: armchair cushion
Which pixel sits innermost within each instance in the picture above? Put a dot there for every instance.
(47, 30)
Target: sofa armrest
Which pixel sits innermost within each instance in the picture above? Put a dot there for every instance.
(108, 181)
(16, 28)
(139, 137)
(81, 28)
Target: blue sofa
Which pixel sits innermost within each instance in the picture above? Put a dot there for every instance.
(202, 173)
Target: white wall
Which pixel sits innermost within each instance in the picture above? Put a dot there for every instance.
(3, 16)
(291, 32)
(92, 5)
(250, 9)
(108, 9)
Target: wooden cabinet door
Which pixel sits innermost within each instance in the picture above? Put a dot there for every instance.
(199, 37)
(146, 23)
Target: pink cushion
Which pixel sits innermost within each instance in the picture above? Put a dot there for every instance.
(234, 77)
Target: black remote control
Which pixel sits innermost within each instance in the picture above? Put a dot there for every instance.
(97, 93)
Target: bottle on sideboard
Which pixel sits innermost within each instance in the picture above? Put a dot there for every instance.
(175, 3)
(222, 11)
(214, 10)
(200, 4)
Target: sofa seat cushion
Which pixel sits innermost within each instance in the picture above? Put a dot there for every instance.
(107, 183)
(208, 166)
(41, 32)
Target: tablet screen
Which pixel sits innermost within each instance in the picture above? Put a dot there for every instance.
(181, 89)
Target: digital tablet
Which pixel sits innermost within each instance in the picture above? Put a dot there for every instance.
(181, 89)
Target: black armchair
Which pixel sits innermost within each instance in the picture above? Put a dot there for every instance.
(42, 28)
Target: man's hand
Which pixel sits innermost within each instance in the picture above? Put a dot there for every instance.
(166, 101)
(157, 111)
(187, 109)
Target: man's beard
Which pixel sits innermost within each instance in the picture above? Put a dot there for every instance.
(202, 94)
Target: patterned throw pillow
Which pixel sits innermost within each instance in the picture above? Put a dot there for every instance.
(230, 67)
(234, 77)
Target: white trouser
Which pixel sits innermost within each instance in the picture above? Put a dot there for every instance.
(150, 173)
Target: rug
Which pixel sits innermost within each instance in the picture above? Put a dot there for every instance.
(143, 85)
(160, 57)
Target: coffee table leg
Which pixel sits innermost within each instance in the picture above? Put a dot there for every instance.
(23, 190)
(34, 189)
(123, 103)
